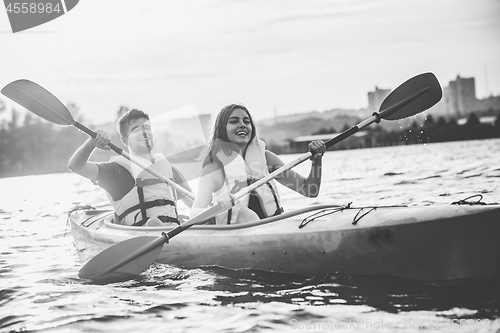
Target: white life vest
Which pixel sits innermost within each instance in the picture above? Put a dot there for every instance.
(239, 173)
(150, 197)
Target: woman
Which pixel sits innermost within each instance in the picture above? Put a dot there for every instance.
(234, 158)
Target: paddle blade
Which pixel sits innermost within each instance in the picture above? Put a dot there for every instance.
(39, 101)
(412, 97)
(123, 260)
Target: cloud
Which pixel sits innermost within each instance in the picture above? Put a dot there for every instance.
(88, 78)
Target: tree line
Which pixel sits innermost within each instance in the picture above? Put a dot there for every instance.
(443, 130)
(35, 146)
(30, 145)
(427, 131)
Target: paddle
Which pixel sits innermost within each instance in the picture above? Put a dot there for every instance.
(131, 257)
(42, 103)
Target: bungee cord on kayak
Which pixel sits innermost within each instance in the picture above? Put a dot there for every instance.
(478, 202)
(322, 213)
(356, 219)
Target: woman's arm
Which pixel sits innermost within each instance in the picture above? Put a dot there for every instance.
(211, 180)
(309, 186)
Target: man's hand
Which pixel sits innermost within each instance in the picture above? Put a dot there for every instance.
(101, 140)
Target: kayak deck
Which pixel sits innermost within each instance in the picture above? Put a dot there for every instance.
(428, 243)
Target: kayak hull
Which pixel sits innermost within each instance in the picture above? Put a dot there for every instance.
(430, 243)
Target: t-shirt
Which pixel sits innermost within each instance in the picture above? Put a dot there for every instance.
(117, 181)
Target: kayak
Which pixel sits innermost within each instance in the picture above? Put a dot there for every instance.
(428, 243)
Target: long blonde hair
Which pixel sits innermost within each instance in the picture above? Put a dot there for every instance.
(218, 140)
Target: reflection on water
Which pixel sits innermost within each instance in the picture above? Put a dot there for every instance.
(39, 263)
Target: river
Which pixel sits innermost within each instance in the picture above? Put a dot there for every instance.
(41, 292)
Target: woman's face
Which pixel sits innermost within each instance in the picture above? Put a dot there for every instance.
(239, 127)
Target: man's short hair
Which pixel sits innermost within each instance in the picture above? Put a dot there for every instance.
(127, 118)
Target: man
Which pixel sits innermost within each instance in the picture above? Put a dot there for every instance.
(138, 197)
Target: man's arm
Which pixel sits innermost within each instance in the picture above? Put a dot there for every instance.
(79, 162)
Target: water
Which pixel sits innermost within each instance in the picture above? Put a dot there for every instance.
(40, 290)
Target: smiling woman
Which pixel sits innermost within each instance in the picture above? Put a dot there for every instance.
(235, 158)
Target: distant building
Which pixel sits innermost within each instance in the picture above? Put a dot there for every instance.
(460, 96)
(375, 98)
(491, 103)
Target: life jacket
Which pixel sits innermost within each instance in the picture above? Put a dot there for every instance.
(240, 172)
(150, 196)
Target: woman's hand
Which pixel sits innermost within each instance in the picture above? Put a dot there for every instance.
(318, 148)
(225, 199)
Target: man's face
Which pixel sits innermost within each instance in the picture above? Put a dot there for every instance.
(139, 136)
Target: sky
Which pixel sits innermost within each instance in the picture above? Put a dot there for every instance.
(277, 57)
